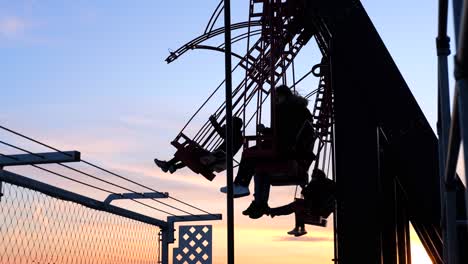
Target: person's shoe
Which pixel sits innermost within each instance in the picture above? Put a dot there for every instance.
(256, 211)
(292, 232)
(298, 231)
(162, 164)
(271, 213)
(249, 209)
(172, 169)
(239, 190)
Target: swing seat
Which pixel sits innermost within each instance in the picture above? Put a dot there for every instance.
(191, 154)
(282, 172)
(315, 220)
(318, 215)
(216, 160)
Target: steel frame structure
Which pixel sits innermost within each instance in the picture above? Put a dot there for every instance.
(452, 131)
(396, 144)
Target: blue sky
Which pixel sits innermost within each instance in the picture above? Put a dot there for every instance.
(91, 76)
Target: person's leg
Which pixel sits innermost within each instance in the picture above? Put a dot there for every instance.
(299, 216)
(262, 189)
(243, 178)
(172, 161)
(299, 229)
(283, 210)
(259, 205)
(300, 225)
(175, 166)
(165, 165)
(245, 172)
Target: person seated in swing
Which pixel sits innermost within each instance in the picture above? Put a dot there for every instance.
(217, 158)
(319, 197)
(291, 115)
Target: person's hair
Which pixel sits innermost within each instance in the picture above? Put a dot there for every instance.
(237, 122)
(317, 173)
(283, 90)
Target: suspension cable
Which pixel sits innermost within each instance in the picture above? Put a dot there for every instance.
(89, 175)
(101, 168)
(89, 185)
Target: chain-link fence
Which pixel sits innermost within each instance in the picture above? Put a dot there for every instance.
(36, 228)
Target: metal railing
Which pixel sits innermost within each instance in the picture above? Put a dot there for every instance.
(38, 228)
(42, 223)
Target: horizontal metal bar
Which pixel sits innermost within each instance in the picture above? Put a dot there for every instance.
(191, 218)
(465, 223)
(39, 158)
(133, 196)
(18, 180)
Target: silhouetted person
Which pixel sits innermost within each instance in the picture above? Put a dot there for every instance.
(218, 155)
(318, 195)
(291, 114)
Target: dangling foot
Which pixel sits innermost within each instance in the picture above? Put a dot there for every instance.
(249, 209)
(298, 231)
(172, 168)
(239, 190)
(256, 210)
(162, 164)
(292, 232)
(271, 213)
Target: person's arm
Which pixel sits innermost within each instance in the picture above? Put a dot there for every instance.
(218, 128)
(264, 130)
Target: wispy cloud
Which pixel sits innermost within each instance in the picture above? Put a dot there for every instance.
(12, 26)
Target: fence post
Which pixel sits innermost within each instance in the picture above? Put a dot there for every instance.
(167, 238)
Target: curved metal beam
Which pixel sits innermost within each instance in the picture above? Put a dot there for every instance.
(217, 49)
(243, 36)
(196, 41)
(214, 16)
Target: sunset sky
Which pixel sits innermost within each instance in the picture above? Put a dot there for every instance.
(91, 76)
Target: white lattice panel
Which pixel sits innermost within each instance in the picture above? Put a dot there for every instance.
(194, 245)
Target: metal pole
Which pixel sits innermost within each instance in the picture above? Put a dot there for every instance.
(461, 75)
(447, 196)
(165, 246)
(229, 154)
(1, 190)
